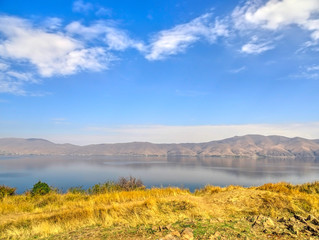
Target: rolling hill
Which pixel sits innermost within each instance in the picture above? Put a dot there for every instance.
(244, 146)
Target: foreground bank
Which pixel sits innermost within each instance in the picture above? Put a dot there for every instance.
(271, 211)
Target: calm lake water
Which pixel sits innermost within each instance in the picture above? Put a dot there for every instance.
(65, 172)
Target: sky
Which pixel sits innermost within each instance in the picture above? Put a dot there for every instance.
(96, 71)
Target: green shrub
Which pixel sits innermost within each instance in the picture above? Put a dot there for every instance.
(6, 191)
(40, 188)
(108, 186)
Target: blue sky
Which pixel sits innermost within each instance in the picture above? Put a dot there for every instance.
(159, 71)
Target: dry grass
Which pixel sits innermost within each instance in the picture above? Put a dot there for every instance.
(208, 210)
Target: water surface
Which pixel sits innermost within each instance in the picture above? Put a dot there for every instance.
(64, 172)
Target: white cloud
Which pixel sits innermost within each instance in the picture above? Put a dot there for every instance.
(82, 7)
(51, 53)
(11, 87)
(91, 32)
(119, 40)
(179, 134)
(307, 72)
(14, 82)
(3, 66)
(103, 12)
(256, 48)
(21, 76)
(115, 38)
(238, 70)
(52, 23)
(177, 39)
(84, 59)
(274, 15)
(313, 68)
(10, 84)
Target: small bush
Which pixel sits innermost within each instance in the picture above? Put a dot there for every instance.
(131, 183)
(6, 191)
(40, 188)
(123, 184)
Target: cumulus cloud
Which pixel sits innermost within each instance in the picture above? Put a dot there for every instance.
(275, 15)
(177, 39)
(49, 51)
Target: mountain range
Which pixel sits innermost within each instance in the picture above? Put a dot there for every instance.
(243, 146)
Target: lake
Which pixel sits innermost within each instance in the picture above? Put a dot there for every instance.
(64, 172)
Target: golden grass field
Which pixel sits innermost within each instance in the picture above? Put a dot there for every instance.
(271, 211)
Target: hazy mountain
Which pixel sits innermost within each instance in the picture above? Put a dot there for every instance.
(245, 146)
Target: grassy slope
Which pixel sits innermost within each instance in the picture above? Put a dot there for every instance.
(272, 211)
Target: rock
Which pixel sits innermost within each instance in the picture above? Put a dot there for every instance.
(266, 222)
(311, 229)
(269, 223)
(176, 234)
(169, 227)
(169, 237)
(292, 228)
(309, 218)
(187, 234)
(172, 236)
(257, 221)
(315, 221)
(299, 218)
(282, 219)
(292, 219)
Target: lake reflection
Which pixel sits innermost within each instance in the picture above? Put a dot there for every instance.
(67, 171)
